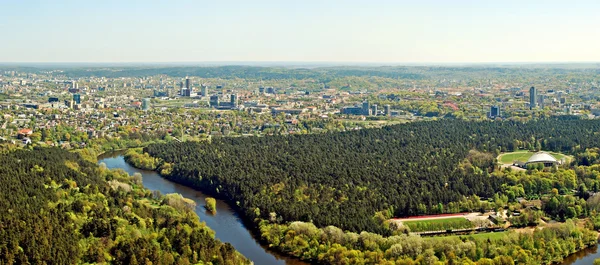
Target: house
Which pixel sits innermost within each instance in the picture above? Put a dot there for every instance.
(496, 219)
(23, 133)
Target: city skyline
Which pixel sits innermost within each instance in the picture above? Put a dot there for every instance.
(319, 32)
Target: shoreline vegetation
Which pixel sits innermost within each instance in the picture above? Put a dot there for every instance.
(138, 159)
(332, 245)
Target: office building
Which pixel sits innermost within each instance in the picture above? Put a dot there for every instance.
(158, 93)
(77, 98)
(214, 101)
(388, 111)
(366, 108)
(494, 111)
(532, 98)
(145, 104)
(374, 109)
(234, 100)
(560, 97)
(188, 82)
(352, 110)
(540, 100)
(204, 91)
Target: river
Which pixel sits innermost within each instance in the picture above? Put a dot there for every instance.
(226, 223)
(229, 227)
(584, 257)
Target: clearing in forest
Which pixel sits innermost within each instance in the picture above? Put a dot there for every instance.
(523, 156)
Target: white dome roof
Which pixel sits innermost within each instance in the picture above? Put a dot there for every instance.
(541, 157)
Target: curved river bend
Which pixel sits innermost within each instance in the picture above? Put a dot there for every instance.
(226, 223)
(228, 226)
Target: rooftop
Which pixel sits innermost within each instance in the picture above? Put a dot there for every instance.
(541, 157)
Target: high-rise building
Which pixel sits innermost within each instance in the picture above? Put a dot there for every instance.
(532, 98)
(559, 97)
(388, 111)
(188, 82)
(540, 100)
(77, 98)
(366, 107)
(145, 104)
(374, 109)
(234, 100)
(182, 89)
(214, 101)
(204, 91)
(494, 111)
(186, 88)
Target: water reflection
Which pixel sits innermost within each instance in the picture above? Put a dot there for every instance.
(583, 257)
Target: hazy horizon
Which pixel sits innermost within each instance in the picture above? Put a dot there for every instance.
(301, 64)
(381, 32)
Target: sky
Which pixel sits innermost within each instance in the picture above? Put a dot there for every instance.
(345, 31)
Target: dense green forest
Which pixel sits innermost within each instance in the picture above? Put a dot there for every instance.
(331, 245)
(357, 179)
(57, 208)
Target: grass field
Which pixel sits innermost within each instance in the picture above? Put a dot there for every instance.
(509, 158)
(438, 224)
(490, 235)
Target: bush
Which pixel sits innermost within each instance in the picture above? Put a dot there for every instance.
(211, 204)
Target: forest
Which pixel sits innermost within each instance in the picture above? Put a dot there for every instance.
(57, 208)
(331, 245)
(356, 180)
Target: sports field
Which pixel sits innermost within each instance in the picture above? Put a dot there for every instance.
(509, 158)
(438, 224)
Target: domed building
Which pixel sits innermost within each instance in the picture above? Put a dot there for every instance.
(542, 158)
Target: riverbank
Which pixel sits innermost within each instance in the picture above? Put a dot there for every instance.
(138, 159)
(228, 224)
(251, 225)
(291, 245)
